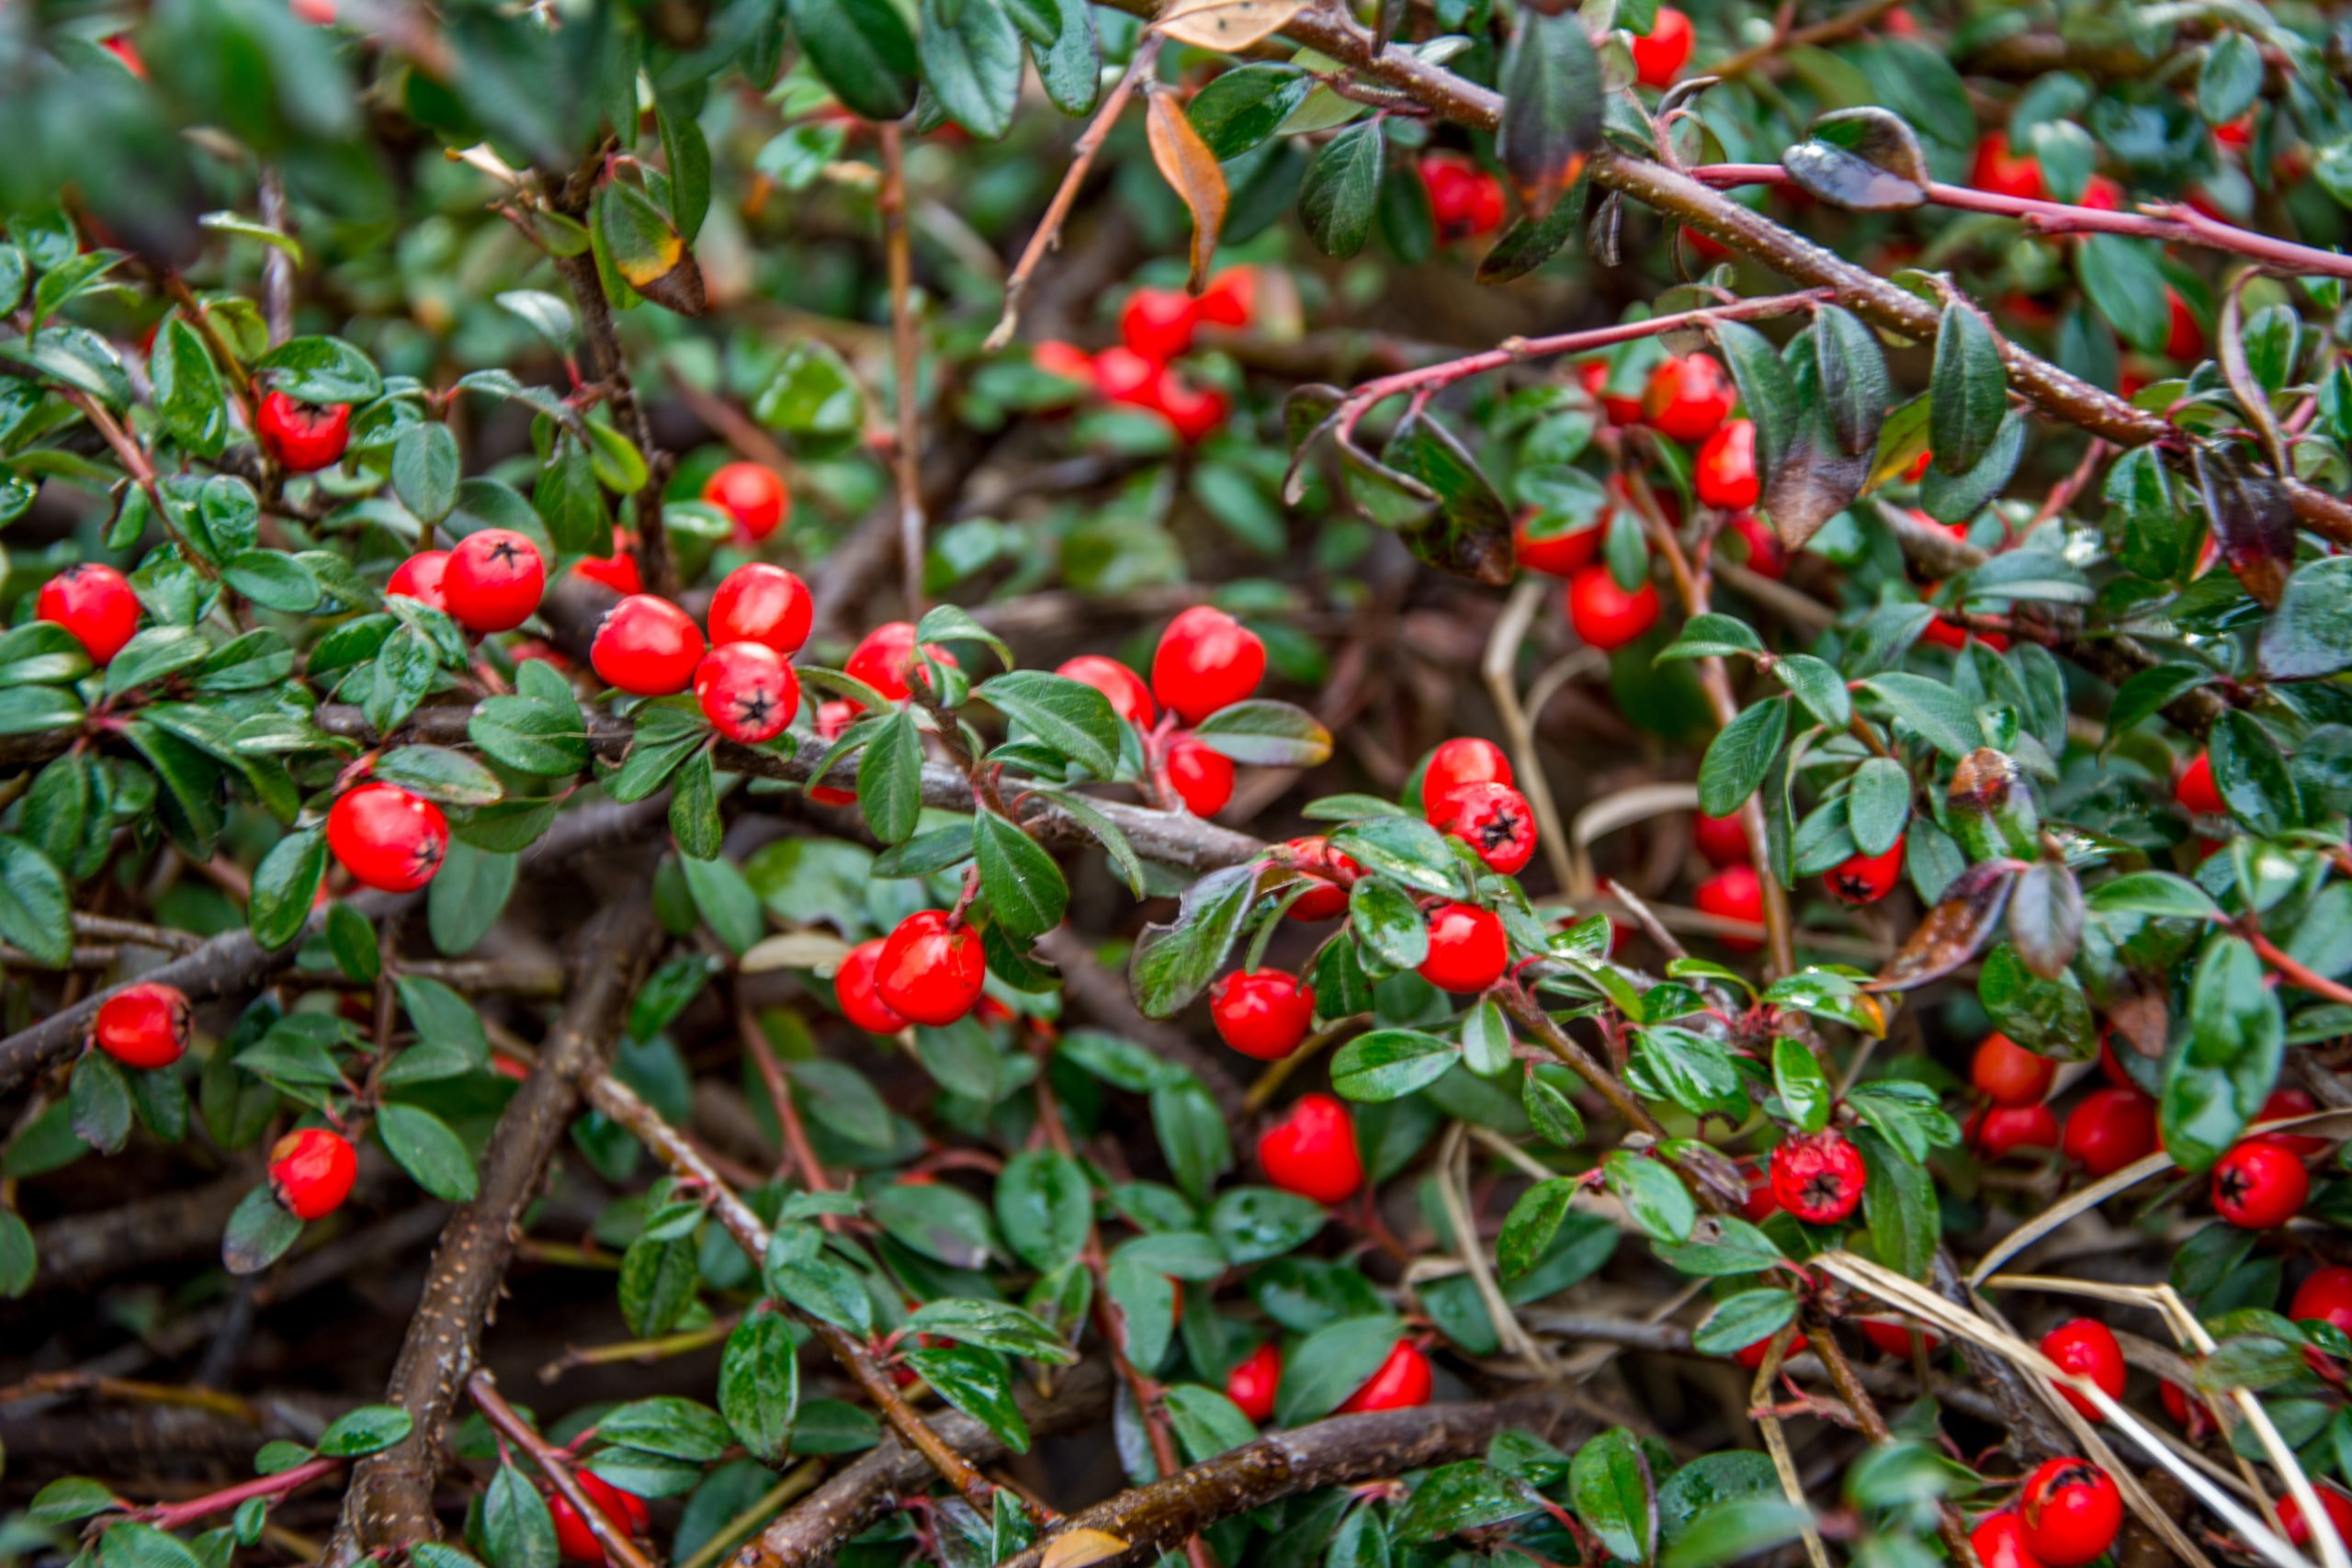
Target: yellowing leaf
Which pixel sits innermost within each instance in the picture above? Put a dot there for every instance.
(1193, 172)
(1078, 1547)
(1226, 24)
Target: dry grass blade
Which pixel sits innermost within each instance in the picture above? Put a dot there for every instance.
(1776, 1442)
(1192, 171)
(1622, 810)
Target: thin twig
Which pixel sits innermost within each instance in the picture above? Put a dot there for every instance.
(618, 1546)
(905, 347)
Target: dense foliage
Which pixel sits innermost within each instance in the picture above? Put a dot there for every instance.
(1557, 783)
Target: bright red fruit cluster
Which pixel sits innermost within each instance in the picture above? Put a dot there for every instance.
(1157, 326)
(760, 616)
(625, 1512)
(1467, 791)
(1466, 200)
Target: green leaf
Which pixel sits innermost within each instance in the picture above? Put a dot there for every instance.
(1386, 919)
(101, 1100)
(1330, 1364)
(2252, 775)
(187, 390)
(1856, 392)
(679, 1428)
(35, 906)
(1609, 1485)
(19, 1260)
(425, 470)
(1389, 1063)
(1253, 1224)
(257, 1234)
(1954, 498)
(284, 885)
(1043, 1206)
(1713, 635)
(693, 808)
(2231, 79)
(1403, 849)
(1743, 1320)
(1173, 963)
(1337, 199)
(2156, 893)
(759, 1385)
(1192, 1135)
(2216, 1082)
(369, 1429)
(1771, 396)
(975, 1381)
(971, 63)
(1266, 734)
(517, 1530)
(429, 1151)
(1552, 106)
(2310, 635)
(726, 901)
(1740, 755)
(1244, 105)
(322, 371)
(1651, 1193)
(1939, 716)
(1970, 387)
(1533, 1223)
(440, 773)
(1069, 716)
(1023, 885)
(1471, 1494)
(1817, 684)
(991, 1326)
(1803, 1089)
(2125, 285)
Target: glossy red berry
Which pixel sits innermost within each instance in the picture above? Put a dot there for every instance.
(1230, 300)
(1205, 660)
(2002, 1130)
(2004, 173)
(2007, 1074)
(2086, 1348)
(1722, 839)
(303, 437)
(832, 717)
(1200, 776)
(311, 1172)
(1894, 1334)
(2184, 338)
(2285, 1104)
(2327, 1296)
(145, 1025)
(761, 604)
(1724, 471)
(574, 1541)
(94, 603)
(1465, 760)
(931, 968)
(747, 691)
(1312, 1150)
(885, 660)
(1251, 1383)
(1066, 360)
(853, 988)
(420, 577)
(1262, 1013)
(1331, 871)
(1195, 413)
(1865, 879)
(1733, 893)
(647, 646)
(1748, 541)
(1688, 396)
(1817, 1177)
(2071, 1512)
(1752, 1356)
(2195, 791)
(2332, 1501)
(2259, 1186)
(2000, 1542)
(387, 838)
(1465, 202)
(1606, 616)
(1660, 54)
(2109, 1128)
(1158, 323)
(752, 496)
(494, 581)
(1123, 376)
(1403, 1382)
(1130, 698)
(617, 571)
(1593, 376)
(1555, 554)
(1492, 818)
(1468, 948)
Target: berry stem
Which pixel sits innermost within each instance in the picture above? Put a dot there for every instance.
(178, 1515)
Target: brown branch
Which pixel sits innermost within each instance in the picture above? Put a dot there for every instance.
(277, 266)
(1830, 29)
(389, 1503)
(133, 459)
(906, 456)
(618, 1547)
(1858, 1399)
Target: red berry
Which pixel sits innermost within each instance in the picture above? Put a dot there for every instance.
(1230, 300)
(1331, 872)
(833, 718)
(1725, 471)
(747, 691)
(1465, 760)
(1944, 632)
(885, 660)
(2110, 1066)
(1660, 54)
(2283, 1105)
(1312, 1150)
(2002, 1130)
(2175, 1399)
(2101, 194)
(1556, 555)
(853, 989)
(1817, 1177)
(1201, 775)
(1123, 376)
(931, 968)
(1894, 1334)
(311, 1172)
(1067, 361)
(2110, 1129)
(1251, 1384)
(761, 603)
(1593, 376)
(2259, 1186)
(1606, 616)
(1492, 818)
(1195, 412)
(1402, 1383)
(2008, 1073)
(1262, 1013)
(420, 577)
(1865, 879)
(303, 437)
(1722, 839)
(754, 496)
(387, 838)
(1752, 1356)
(145, 1025)
(2332, 1501)
(1733, 893)
(1688, 398)
(1158, 323)
(1466, 200)
(2327, 1296)
(2184, 338)
(577, 1543)
(1205, 660)
(494, 581)
(1468, 948)
(647, 646)
(2004, 173)
(2000, 1542)
(2195, 791)
(2086, 1348)
(2071, 1512)
(1130, 698)
(617, 571)
(1766, 556)
(1759, 1204)
(94, 603)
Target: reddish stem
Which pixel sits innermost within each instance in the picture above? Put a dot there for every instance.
(177, 1516)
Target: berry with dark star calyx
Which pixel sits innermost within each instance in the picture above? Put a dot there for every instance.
(2086, 1348)
(1865, 879)
(1130, 698)
(2259, 1186)
(2008, 1073)
(96, 604)
(1402, 1383)
(1312, 1150)
(1660, 54)
(2110, 1128)
(761, 604)
(1735, 892)
(1724, 471)
(303, 437)
(1262, 1013)
(494, 581)
(1603, 613)
(1465, 760)
(647, 646)
(1688, 398)
(144, 1025)
(1468, 948)
(1199, 776)
(931, 969)
(420, 577)
(1492, 818)
(1817, 1177)
(753, 497)
(1205, 660)
(1253, 1380)
(885, 659)
(2071, 1512)
(311, 1172)
(624, 1511)
(853, 988)
(747, 691)
(387, 838)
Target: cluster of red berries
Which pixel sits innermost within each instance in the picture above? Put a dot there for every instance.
(1466, 792)
(2068, 1515)
(488, 582)
(741, 678)
(1206, 662)
(623, 1512)
(929, 970)
(1401, 1381)
(1312, 1150)
(303, 437)
(1157, 326)
(1465, 200)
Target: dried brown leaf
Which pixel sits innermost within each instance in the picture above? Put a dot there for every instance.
(1226, 24)
(1193, 172)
